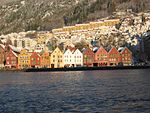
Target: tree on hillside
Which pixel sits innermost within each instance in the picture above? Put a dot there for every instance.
(81, 45)
(138, 5)
(111, 6)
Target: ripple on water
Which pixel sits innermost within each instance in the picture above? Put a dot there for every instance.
(113, 91)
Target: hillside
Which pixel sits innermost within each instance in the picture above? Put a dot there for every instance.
(17, 15)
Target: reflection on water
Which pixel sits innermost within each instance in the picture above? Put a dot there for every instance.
(114, 91)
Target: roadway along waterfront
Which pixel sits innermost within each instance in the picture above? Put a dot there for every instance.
(99, 91)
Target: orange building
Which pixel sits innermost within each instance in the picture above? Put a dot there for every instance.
(45, 61)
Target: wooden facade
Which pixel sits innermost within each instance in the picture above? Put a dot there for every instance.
(126, 57)
(114, 57)
(101, 57)
(11, 59)
(2, 55)
(57, 59)
(88, 57)
(24, 59)
(45, 61)
(35, 60)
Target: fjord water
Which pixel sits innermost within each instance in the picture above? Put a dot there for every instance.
(102, 91)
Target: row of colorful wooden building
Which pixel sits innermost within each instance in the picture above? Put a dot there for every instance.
(71, 57)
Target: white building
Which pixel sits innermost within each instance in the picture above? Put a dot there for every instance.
(78, 58)
(69, 58)
(73, 58)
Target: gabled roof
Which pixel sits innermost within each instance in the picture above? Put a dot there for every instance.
(87, 49)
(15, 48)
(125, 49)
(101, 49)
(113, 49)
(35, 53)
(72, 49)
(56, 49)
(67, 50)
(15, 53)
(44, 53)
(77, 50)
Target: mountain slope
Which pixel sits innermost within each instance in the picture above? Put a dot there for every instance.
(17, 15)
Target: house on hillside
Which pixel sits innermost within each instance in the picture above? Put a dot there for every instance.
(39, 48)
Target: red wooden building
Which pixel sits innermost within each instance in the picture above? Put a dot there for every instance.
(126, 56)
(11, 59)
(2, 55)
(101, 57)
(35, 60)
(114, 57)
(88, 57)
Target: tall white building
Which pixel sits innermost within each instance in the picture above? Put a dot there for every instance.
(73, 58)
(78, 58)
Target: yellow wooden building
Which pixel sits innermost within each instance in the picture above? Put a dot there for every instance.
(24, 59)
(57, 59)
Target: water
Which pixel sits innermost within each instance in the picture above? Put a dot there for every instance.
(114, 91)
